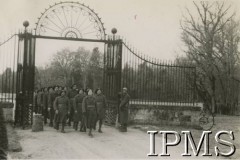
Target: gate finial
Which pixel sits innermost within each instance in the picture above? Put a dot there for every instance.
(114, 31)
(25, 24)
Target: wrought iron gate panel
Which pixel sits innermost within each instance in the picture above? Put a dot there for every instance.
(155, 82)
(149, 81)
(8, 56)
(112, 76)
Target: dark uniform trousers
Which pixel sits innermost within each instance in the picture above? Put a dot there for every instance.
(90, 111)
(45, 107)
(124, 112)
(51, 98)
(71, 94)
(62, 105)
(78, 117)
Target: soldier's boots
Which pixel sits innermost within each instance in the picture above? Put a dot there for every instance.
(100, 126)
(123, 128)
(51, 124)
(63, 131)
(69, 123)
(90, 133)
(100, 130)
(45, 119)
(83, 128)
(75, 125)
(57, 126)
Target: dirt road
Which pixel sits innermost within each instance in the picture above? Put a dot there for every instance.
(111, 144)
(50, 144)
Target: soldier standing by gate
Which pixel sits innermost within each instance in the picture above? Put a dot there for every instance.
(123, 109)
(78, 99)
(89, 111)
(101, 108)
(72, 93)
(62, 108)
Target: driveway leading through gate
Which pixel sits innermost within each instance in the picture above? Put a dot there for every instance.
(113, 144)
(51, 144)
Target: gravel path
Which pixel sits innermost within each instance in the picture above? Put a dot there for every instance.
(51, 144)
(111, 144)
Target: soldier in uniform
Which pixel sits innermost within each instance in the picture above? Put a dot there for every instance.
(45, 105)
(39, 102)
(89, 110)
(71, 94)
(123, 109)
(51, 98)
(55, 95)
(62, 108)
(78, 99)
(101, 107)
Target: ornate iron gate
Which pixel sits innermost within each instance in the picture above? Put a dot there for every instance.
(149, 81)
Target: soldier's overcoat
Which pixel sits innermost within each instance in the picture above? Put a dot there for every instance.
(123, 107)
(71, 94)
(78, 99)
(90, 110)
(62, 105)
(40, 102)
(45, 101)
(101, 104)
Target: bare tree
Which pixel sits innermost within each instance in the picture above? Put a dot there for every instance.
(62, 61)
(208, 37)
(67, 67)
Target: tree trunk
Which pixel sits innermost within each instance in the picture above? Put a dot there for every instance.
(213, 98)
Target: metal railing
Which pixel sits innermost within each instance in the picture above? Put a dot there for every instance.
(8, 69)
(155, 82)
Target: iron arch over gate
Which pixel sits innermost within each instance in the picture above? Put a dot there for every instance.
(150, 81)
(70, 20)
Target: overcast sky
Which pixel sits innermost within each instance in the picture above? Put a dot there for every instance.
(151, 26)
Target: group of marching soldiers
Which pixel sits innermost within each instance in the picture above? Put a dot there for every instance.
(82, 107)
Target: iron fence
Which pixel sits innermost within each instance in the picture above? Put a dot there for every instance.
(14, 73)
(155, 82)
(8, 68)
